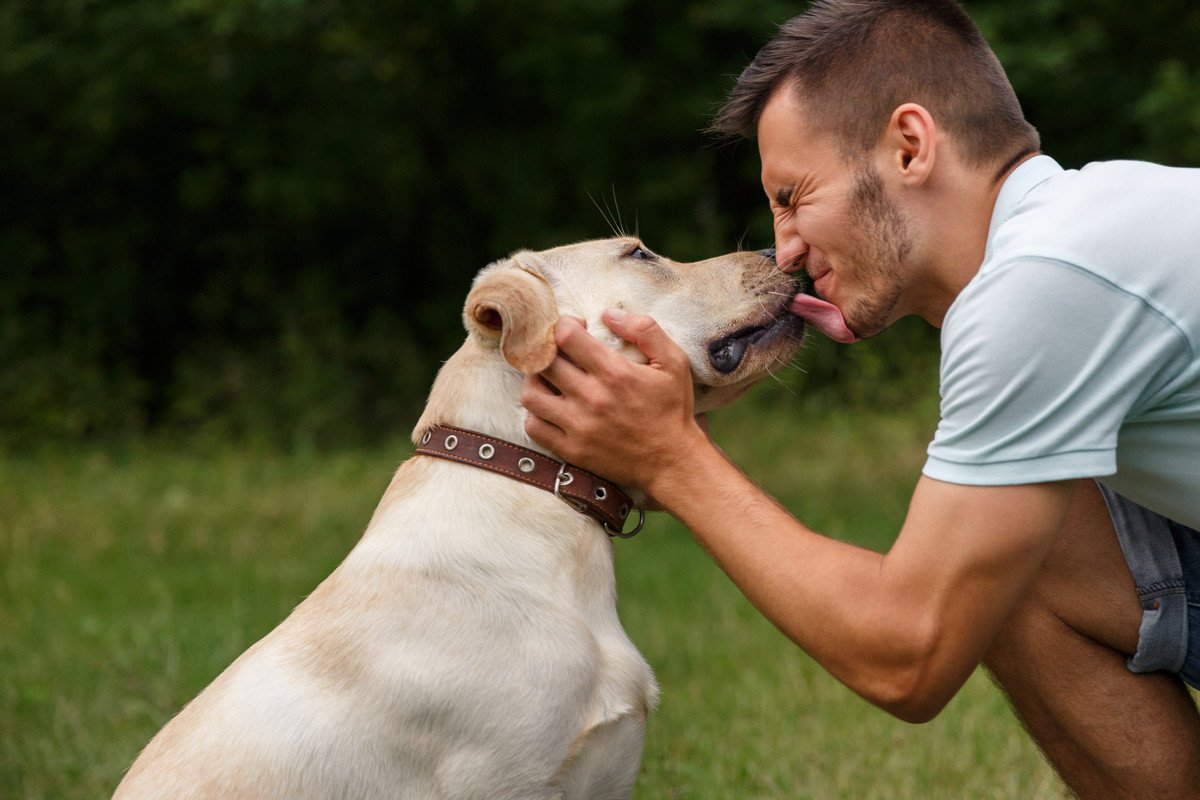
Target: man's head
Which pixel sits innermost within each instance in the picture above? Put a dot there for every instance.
(853, 62)
(854, 103)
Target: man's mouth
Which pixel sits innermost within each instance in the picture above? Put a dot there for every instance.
(817, 268)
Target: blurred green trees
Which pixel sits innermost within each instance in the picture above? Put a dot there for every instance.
(260, 217)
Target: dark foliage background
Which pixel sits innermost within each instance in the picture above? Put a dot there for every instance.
(259, 218)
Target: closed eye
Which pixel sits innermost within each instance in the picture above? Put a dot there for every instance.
(783, 198)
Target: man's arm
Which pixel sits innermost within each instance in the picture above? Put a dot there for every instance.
(905, 629)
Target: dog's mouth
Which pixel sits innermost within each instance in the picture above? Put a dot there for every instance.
(727, 353)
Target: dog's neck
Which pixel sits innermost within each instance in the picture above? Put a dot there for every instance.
(477, 390)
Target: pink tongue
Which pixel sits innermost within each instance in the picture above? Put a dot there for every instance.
(824, 316)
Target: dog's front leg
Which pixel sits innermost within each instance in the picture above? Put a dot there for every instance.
(605, 764)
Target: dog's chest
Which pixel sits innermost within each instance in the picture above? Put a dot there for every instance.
(486, 568)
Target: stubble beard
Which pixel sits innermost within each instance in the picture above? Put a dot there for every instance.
(884, 243)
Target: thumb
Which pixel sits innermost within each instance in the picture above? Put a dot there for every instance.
(644, 332)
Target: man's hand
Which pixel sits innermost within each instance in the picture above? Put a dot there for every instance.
(629, 422)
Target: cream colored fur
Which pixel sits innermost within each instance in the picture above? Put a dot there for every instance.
(469, 645)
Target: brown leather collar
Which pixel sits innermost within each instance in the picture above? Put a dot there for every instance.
(584, 491)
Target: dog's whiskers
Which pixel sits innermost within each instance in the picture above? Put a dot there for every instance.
(781, 382)
(617, 209)
(611, 216)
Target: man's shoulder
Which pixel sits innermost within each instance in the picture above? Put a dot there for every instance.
(1131, 226)
(1124, 174)
(1104, 201)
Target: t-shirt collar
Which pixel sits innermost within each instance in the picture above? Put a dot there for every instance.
(1018, 183)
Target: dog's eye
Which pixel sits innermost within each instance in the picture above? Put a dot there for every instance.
(642, 254)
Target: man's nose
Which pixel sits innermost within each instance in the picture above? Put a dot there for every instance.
(790, 257)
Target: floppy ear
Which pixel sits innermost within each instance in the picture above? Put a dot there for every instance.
(513, 306)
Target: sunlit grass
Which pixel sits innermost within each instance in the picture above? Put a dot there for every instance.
(129, 577)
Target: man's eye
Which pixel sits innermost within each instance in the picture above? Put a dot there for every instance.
(783, 198)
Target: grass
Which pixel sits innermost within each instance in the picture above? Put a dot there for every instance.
(131, 576)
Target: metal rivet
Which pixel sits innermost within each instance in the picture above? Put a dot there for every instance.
(601, 493)
(623, 512)
(451, 442)
(486, 451)
(425, 439)
(525, 465)
(565, 478)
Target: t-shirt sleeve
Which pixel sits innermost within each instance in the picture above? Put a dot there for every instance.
(1041, 364)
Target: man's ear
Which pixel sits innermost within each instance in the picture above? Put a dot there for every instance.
(912, 138)
(511, 305)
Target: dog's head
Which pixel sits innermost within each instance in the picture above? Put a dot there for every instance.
(729, 313)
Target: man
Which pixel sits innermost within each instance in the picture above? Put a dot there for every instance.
(904, 179)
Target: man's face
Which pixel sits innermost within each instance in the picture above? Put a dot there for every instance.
(832, 218)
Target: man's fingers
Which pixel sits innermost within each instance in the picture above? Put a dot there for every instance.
(594, 358)
(564, 375)
(582, 348)
(540, 400)
(644, 332)
(544, 433)
(545, 413)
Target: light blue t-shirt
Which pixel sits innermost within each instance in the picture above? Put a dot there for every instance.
(1075, 351)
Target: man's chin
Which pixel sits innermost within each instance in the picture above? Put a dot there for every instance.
(867, 322)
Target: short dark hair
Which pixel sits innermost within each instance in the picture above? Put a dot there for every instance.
(855, 61)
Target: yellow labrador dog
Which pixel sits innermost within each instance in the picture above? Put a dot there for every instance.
(469, 645)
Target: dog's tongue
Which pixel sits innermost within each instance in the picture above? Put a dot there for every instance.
(824, 316)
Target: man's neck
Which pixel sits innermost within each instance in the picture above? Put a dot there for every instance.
(958, 248)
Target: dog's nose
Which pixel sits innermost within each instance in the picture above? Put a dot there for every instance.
(768, 253)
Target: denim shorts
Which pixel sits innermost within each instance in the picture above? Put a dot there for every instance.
(1164, 558)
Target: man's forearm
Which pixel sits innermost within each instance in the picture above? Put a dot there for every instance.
(825, 595)
(890, 630)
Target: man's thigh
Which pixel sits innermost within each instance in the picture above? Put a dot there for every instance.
(1086, 581)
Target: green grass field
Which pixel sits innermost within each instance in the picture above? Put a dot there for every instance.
(131, 576)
